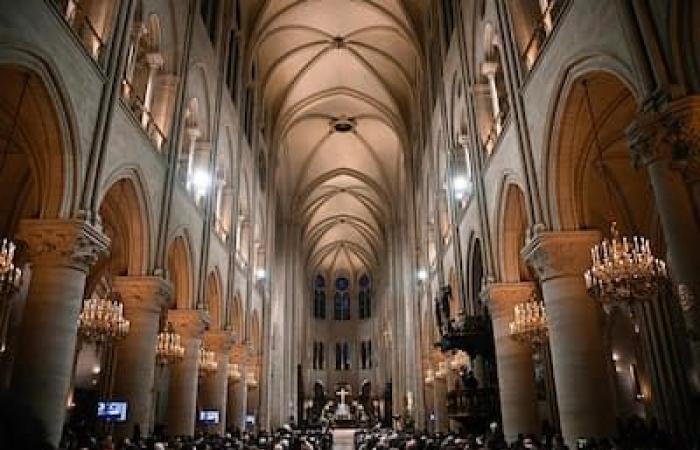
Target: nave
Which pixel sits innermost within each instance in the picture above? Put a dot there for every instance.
(446, 224)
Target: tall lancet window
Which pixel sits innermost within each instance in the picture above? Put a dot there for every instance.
(365, 298)
(342, 299)
(318, 356)
(320, 297)
(346, 356)
(366, 354)
(338, 356)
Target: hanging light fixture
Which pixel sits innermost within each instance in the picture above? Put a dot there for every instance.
(250, 380)
(234, 372)
(10, 276)
(102, 319)
(169, 348)
(529, 323)
(442, 371)
(459, 360)
(429, 376)
(207, 361)
(622, 269)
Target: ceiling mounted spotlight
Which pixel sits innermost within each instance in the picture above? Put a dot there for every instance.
(343, 124)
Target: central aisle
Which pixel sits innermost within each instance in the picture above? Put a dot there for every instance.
(343, 439)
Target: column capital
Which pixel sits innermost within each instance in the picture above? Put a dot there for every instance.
(555, 254)
(188, 322)
(167, 80)
(154, 60)
(669, 133)
(71, 242)
(143, 293)
(489, 68)
(502, 297)
(203, 146)
(193, 133)
(237, 354)
(218, 341)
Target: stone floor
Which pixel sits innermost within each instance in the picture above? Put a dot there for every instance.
(343, 439)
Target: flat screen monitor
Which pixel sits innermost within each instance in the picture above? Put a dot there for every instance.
(209, 416)
(249, 421)
(112, 411)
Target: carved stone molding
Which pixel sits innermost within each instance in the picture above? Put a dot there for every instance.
(671, 134)
(556, 254)
(218, 341)
(502, 297)
(69, 243)
(145, 293)
(189, 323)
(237, 354)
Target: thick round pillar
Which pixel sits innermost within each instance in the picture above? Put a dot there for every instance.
(442, 419)
(182, 393)
(60, 253)
(214, 387)
(579, 357)
(144, 298)
(516, 370)
(654, 143)
(237, 401)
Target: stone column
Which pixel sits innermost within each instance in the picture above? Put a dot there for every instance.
(579, 357)
(162, 105)
(516, 370)
(226, 207)
(442, 422)
(430, 407)
(193, 134)
(236, 405)
(182, 395)
(200, 162)
(61, 253)
(155, 62)
(489, 69)
(143, 297)
(657, 143)
(214, 387)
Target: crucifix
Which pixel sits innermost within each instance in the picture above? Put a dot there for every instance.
(342, 393)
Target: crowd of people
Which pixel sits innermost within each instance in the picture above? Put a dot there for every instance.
(19, 431)
(285, 438)
(631, 434)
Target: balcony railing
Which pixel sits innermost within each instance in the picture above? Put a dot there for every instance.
(495, 132)
(470, 333)
(221, 230)
(476, 403)
(143, 115)
(541, 31)
(79, 21)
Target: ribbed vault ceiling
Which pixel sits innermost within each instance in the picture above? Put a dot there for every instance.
(339, 79)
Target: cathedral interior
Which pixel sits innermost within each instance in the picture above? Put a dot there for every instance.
(406, 220)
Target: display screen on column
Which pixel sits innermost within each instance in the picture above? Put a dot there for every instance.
(112, 411)
(209, 416)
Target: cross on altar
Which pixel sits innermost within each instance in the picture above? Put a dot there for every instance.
(342, 393)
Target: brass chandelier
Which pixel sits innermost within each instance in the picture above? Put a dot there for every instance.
(102, 319)
(169, 348)
(207, 361)
(622, 269)
(529, 323)
(234, 372)
(10, 276)
(250, 380)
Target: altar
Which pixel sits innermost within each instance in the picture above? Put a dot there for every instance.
(343, 416)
